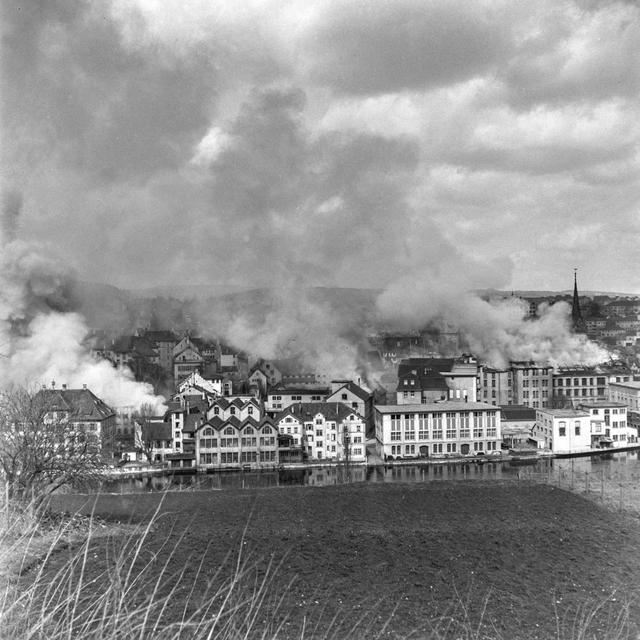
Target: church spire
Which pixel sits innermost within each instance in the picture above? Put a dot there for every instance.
(576, 314)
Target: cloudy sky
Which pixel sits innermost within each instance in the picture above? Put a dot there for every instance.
(328, 142)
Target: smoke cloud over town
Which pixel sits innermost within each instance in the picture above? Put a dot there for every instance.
(42, 341)
(424, 151)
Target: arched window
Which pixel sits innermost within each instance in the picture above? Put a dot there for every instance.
(207, 432)
(229, 431)
(266, 429)
(249, 430)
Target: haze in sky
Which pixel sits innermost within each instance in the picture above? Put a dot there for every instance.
(336, 142)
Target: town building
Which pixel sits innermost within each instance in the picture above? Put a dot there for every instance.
(564, 430)
(609, 425)
(264, 374)
(233, 443)
(494, 386)
(325, 431)
(424, 380)
(82, 410)
(281, 397)
(436, 429)
(196, 385)
(516, 425)
(187, 359)
(573, 385)
(531, 384)
(353, 395)
(240, 407)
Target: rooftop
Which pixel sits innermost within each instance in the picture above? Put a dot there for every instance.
(565, 413)
(449, 405)
(81, 404)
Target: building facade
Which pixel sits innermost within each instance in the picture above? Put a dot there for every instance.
(609, 424)
(325, 431)
(564, 430)
(436, 429)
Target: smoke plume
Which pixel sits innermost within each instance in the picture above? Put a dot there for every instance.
(41, 338)
(494, 331)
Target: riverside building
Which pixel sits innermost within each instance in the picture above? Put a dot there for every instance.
(436, 429)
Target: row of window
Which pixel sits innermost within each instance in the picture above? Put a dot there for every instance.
(234, 458)
(450, 434)
(449, 447)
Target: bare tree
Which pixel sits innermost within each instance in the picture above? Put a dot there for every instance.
(41, 451)
(141, 426)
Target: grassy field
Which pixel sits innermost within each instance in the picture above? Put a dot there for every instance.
(445, 560)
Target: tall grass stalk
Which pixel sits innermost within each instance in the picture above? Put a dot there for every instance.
(116, 588)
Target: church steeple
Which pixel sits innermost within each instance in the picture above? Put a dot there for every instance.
(576, 314)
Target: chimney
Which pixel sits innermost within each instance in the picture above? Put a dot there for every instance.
(64, 387)
(84, 386)
(53, 384)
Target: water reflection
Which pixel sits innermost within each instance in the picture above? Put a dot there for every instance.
(611, 466)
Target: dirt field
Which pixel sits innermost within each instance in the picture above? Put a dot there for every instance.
(424, 560)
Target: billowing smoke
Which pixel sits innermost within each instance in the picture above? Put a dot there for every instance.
(308, 330)
(41, 338)
(494, 331)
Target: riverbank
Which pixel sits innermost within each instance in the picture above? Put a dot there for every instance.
(450, 559)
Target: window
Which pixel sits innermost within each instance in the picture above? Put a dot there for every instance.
(562, 428)
(344, 396)
(437, 426)
(229, 431)
(577, 427)
(423, 427)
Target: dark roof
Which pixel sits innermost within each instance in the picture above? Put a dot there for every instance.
(306, 410)
(436, 364)
(517, 412)
(81, 404)
(160, 336)
(156, 431)
(298, 391)
(425, 379)
(355, 389)
(217, 423)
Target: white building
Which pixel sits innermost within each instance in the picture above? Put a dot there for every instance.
(564, 430)
(435, 429)
(325, 431)
(609, 424)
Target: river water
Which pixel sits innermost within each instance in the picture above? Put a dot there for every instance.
(622, 465)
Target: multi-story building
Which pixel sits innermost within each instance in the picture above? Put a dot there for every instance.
(228, 443)
(564, 430)
(436, 429)
(628, 393)
(494, 386)
(531, 384)
(281, 397)
(240, 406)
(83, 411)
(354, 396)
(422, 380)
(163, 343)
(573, 385)
(325, 431)
(609, 425)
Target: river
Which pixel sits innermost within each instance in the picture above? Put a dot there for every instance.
(622, 465)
